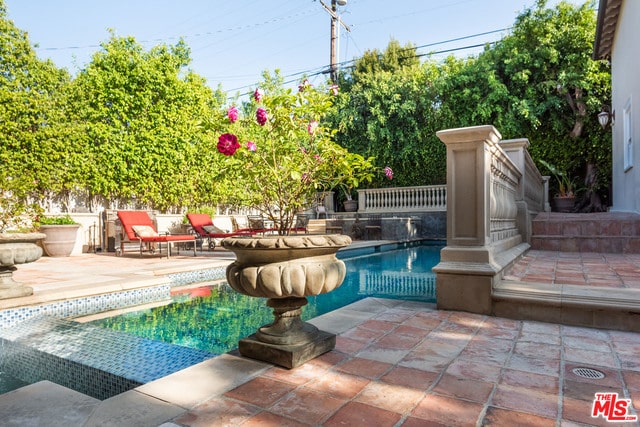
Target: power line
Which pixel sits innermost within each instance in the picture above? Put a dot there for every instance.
(325, 68)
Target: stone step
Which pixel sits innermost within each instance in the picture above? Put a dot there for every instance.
(588, 306)
(46, 404)
(607, 232)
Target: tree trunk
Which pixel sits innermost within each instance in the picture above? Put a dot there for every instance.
(590, 200)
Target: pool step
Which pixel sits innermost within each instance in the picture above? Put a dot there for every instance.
(92, 360)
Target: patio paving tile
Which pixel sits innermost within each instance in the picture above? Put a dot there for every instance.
(359, 414)
(464, 388)
(416, 367)
(527, 400)
(448, 411)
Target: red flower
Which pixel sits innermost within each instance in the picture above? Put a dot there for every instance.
(261, 116)
(232, 113)
(388, 172)
(257, 95)
(228, 144)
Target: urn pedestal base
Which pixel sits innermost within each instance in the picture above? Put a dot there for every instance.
(288, 356)
(9, 288)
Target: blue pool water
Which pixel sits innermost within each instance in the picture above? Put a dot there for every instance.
(214, 318)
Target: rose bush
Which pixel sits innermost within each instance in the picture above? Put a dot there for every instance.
(279, 153)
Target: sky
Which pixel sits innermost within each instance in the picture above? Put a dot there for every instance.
(233, 42)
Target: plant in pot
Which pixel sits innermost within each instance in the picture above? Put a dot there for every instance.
(564, 199)
(18, 242)
(60, 232)
(277, 155)
(351, 171)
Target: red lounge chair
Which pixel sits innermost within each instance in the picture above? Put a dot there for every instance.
(202, 225)
(138, 226)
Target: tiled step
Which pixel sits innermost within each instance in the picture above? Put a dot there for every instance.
(607, 232)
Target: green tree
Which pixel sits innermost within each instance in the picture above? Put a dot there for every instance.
(541, 83)
(33, 161)
(391, 114)
(140, 112)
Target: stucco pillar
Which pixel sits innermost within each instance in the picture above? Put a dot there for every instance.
(465, 274)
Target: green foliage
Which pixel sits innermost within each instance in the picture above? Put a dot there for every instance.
(138, 116)
(32, 153)
(57, 220)
(135, 124)
(565, 182)
(392, 116)
(279, 164)
(541, 83)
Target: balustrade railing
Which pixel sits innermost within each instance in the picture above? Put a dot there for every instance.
(426, 198)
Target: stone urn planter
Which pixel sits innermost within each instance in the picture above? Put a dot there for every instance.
(17, 248)
(60, 239)
(285, 270)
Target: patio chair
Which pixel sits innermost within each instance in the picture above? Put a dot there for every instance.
(204, 228)
(138, 226)
(258, 226)
(301, 223)
(334, 224)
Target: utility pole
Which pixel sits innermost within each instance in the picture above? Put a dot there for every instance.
(335, 19)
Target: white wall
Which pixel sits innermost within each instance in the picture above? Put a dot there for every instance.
(626, 85)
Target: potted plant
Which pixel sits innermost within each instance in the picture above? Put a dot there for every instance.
(18, 243)
(60, 232)
(564, 199)
(277, 155)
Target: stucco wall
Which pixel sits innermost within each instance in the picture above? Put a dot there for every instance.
(626, 85)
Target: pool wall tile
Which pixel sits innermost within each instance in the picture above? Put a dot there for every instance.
(98, 303)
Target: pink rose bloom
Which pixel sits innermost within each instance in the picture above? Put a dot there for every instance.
(228, 144)
(261, 116)
(258, 94)
(251, 146)
(388, 172)
(312, 127)
(334, 89)
(232, 113)
(302, 86)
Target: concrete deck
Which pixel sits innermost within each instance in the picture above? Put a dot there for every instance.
(395, 363)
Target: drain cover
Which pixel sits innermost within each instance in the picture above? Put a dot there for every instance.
(588, 373)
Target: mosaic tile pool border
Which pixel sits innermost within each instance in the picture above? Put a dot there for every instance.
(112, 301)
(92, 360)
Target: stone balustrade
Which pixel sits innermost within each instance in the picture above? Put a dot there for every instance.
(425, 198)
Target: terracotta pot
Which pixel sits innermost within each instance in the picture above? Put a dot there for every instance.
(286, 269)
(564, 204)
(60, 239)
(17, 248)
(350, 205)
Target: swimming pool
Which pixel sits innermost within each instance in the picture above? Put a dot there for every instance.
(214, 318)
